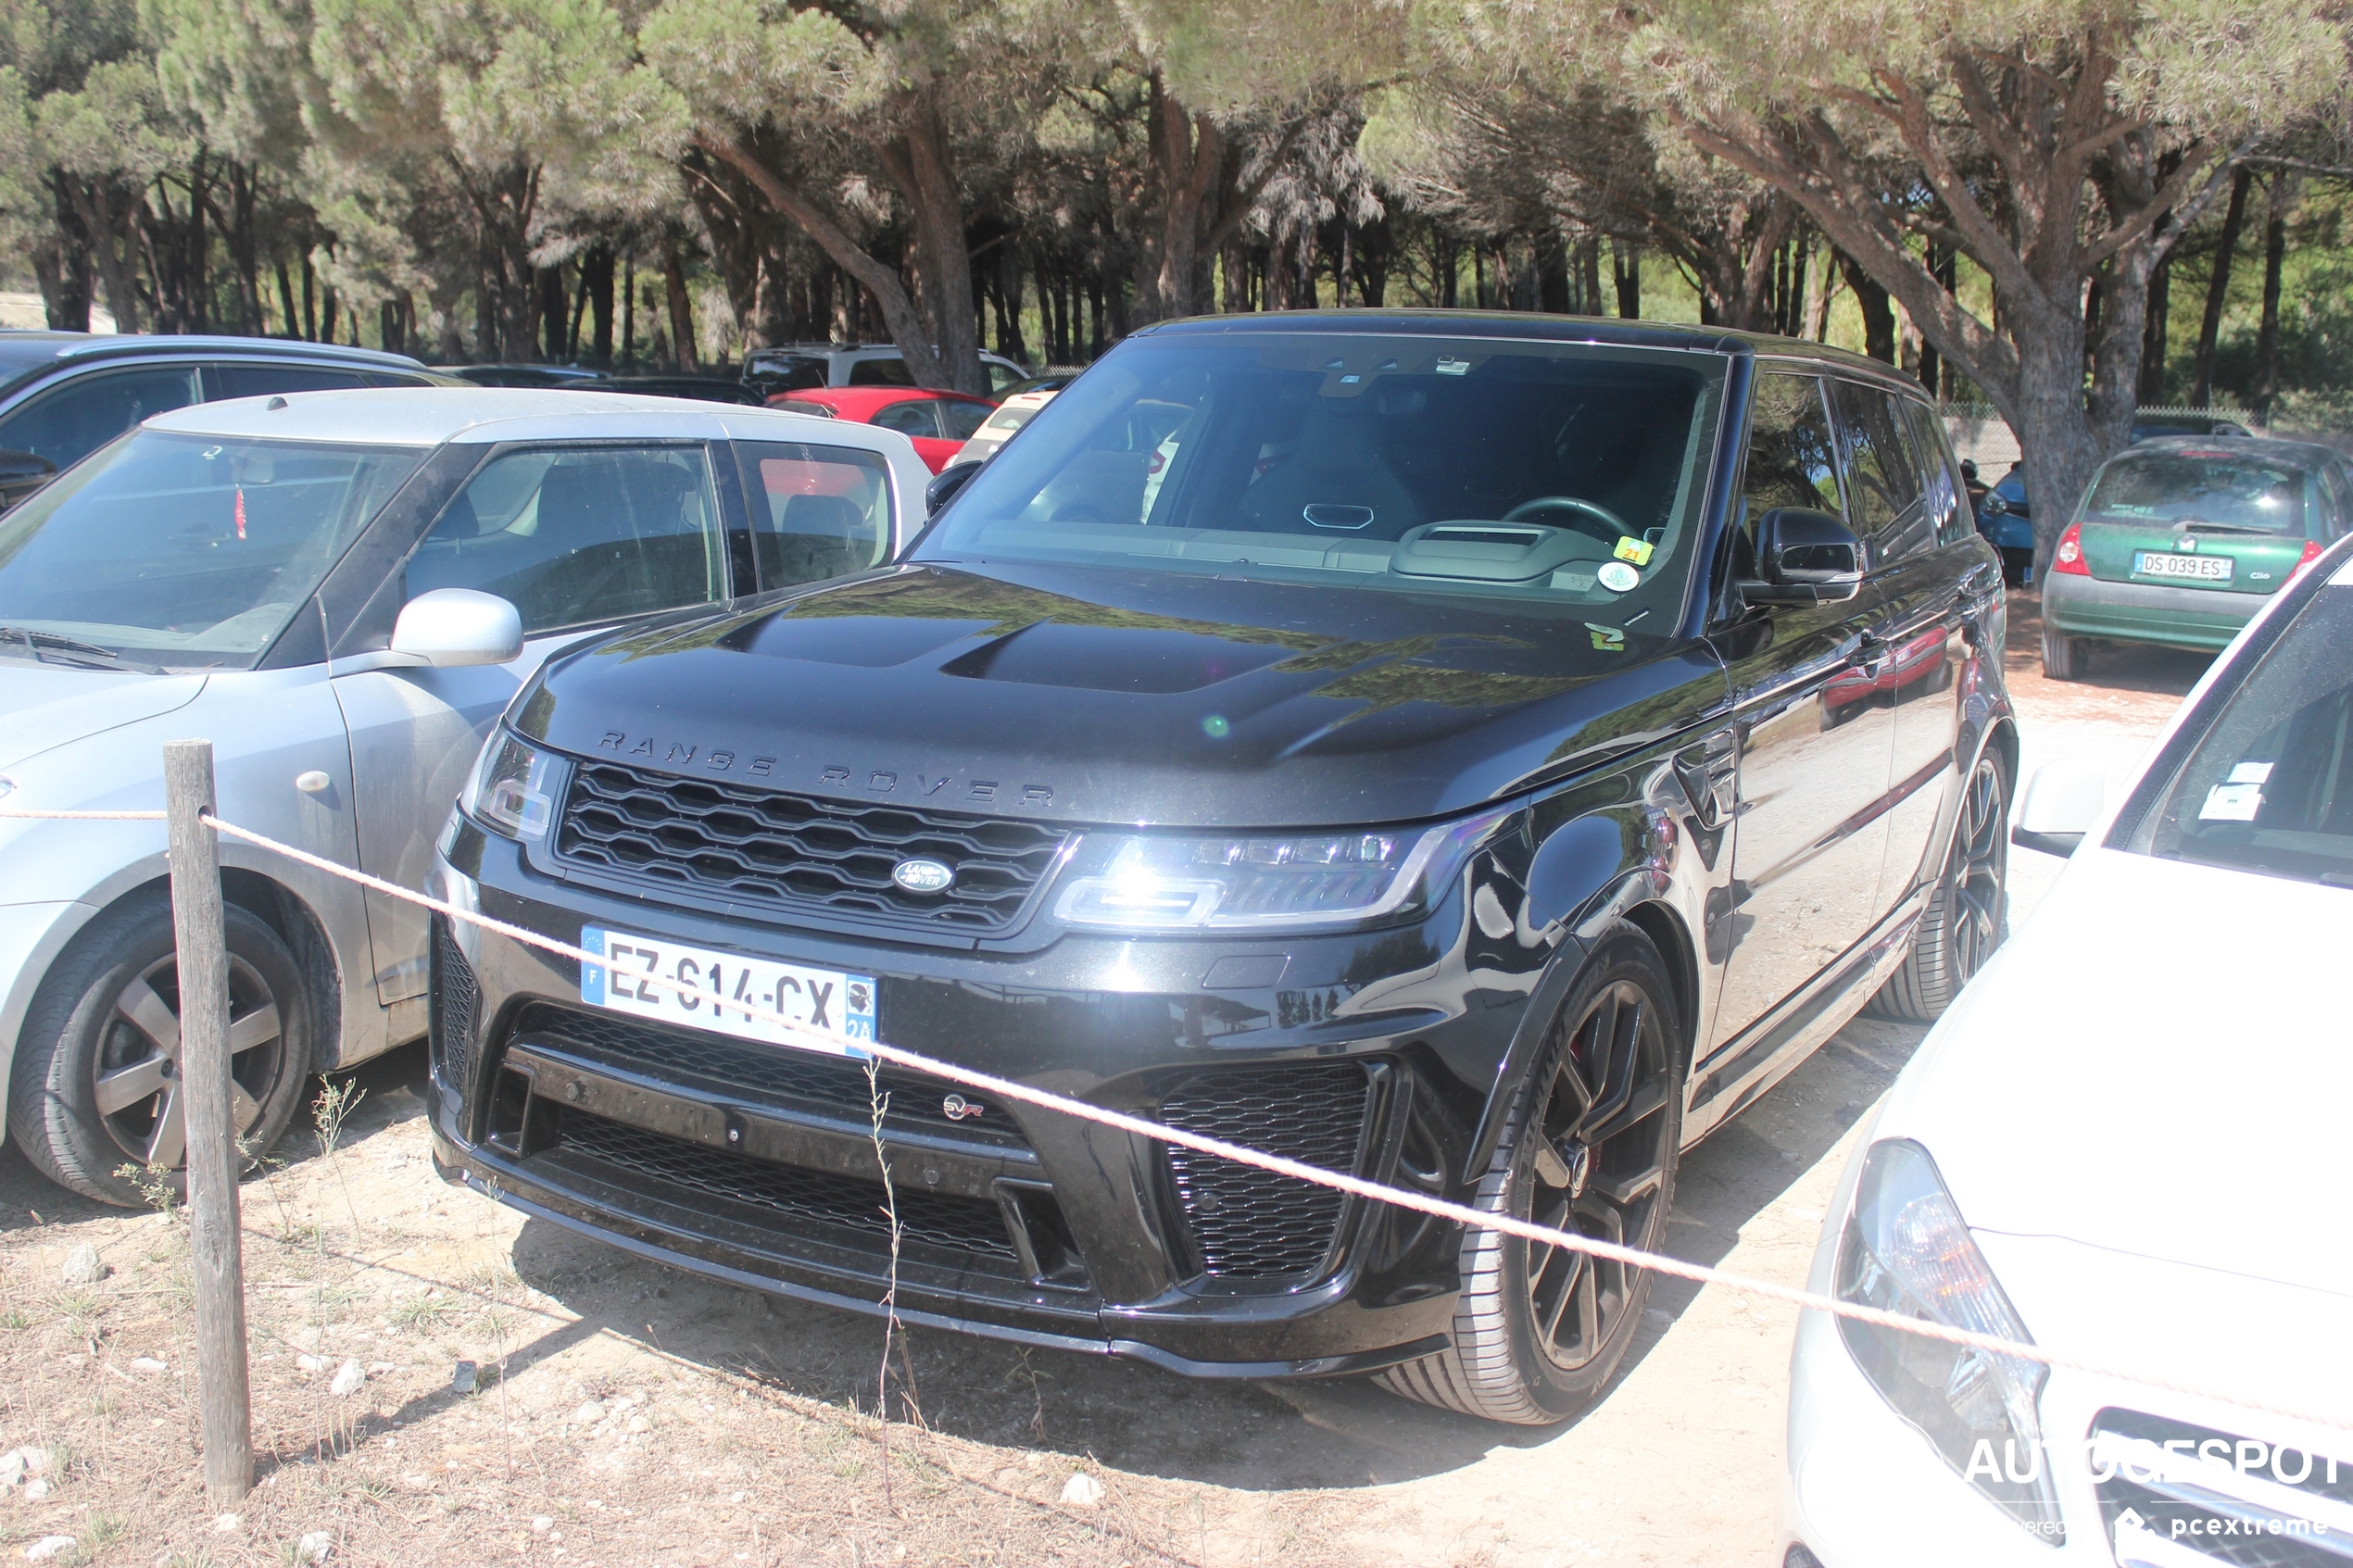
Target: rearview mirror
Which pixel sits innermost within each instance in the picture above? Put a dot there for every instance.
(2061, 805)
(944, 484)
(1805, 558)
(448, 628)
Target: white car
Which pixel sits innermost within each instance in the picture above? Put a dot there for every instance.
(2126, 1141)
(998, 429)
(342, 590)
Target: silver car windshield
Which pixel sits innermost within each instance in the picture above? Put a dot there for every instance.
(186, 551)
(1548, 472)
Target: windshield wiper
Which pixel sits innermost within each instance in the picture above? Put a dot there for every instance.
(67, 650)
(2196, 527)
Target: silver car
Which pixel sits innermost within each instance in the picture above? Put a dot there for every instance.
(342, 590)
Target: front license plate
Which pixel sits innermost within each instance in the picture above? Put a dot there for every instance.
(825, 1001)
(2196, 568)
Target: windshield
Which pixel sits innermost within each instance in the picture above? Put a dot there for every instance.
(2225, 489)
(1553, 472)
(2270, 788)
(187, 551)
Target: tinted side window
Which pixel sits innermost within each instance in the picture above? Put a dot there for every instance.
(573, 537)
(1001, 376)
(914, 417)
(1875, 456)
(1942, 493)
(1790, 461)
(963, 419)
(262, 380)
(891, 372)
(66, 423)
(816, 512)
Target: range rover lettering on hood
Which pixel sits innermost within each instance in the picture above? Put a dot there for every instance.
(683, 754)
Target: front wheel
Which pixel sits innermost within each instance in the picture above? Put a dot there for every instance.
(1591, 1146)
(1967, 911)
(96, 1083)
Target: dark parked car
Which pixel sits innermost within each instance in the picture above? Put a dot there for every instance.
(65, 395)
(699, 388)
(529, 375)
(1405, 742)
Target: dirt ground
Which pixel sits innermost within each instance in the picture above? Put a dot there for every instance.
(624, 1414)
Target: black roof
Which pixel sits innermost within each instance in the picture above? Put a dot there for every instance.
(1527, 325)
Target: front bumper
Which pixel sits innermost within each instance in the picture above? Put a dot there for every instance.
(757, 1165)
(2146, 612)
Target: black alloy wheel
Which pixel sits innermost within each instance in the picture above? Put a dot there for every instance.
(1591, 1150)
(97, 1085)
(1968, 914)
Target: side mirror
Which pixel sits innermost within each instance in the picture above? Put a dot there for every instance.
(2062, 802)
(21, 474)
(1993, 506)
(945, 485)
(1805, 558)
(451, 627)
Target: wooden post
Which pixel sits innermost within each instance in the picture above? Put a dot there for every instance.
(213, 1161)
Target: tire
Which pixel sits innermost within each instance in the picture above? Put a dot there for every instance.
(1968, 910)
(1615, 1162)
(109, 1010)
(2063, 656)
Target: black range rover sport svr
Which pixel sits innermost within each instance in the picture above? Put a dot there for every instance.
(1478, 752)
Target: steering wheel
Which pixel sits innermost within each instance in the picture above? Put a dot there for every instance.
(1618, 529)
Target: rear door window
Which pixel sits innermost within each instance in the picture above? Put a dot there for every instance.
(883, 371)
(1943, 498)
(263, 380)
(916, 416)
(1883, 486)
(816, 512)
(579, 536)
(67, 423)
(963, 419)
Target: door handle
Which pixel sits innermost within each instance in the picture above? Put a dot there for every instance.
(1870, 648)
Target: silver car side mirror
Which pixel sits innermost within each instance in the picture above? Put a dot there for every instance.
(2062, 804)
(451, 627)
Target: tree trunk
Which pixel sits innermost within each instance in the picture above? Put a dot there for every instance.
(2217, 289)
(1625, 273)
(919, 162)
(2266, 337)
(629, 315)
(1879, 316)
(682, 309)
(552, 312)
(1554, 266)
(596, 280)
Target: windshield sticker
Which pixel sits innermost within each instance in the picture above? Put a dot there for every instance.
(1608, 639)
(2232, 803)
(1635, 550)
(1454, 367)
(2251, 773)
(1570, 578)
(1618, 577)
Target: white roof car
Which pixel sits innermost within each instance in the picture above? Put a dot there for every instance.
(2124, 1143)
(342, 590)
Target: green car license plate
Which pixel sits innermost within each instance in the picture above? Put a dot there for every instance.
(2190, 568)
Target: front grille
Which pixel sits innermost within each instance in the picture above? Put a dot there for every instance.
(1250, 1224)
(832, 1086)
(956, 1225)
(2275, 1512)
(457, 1004)
(797, 852)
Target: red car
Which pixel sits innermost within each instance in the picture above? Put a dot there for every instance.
(939, 422)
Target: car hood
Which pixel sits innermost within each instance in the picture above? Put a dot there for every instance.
(44, 707)
(1127, 696)
(2154, 1065)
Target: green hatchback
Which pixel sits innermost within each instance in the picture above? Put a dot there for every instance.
(2179, 542)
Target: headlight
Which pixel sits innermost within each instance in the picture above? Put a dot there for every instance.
(1905, 1250)
(512, 791)
(1269, 882)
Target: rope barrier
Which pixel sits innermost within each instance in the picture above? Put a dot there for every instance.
(1438, 1207)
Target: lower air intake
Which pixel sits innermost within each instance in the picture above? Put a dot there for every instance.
(1249, 1224)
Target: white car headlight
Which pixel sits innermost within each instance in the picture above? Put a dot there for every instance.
(1905, 1250)
(1269, 882)
(513, 790)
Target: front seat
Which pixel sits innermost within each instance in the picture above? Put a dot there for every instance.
(1339, 470)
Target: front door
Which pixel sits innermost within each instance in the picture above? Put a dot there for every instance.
(575, 538)
(1815, 746)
